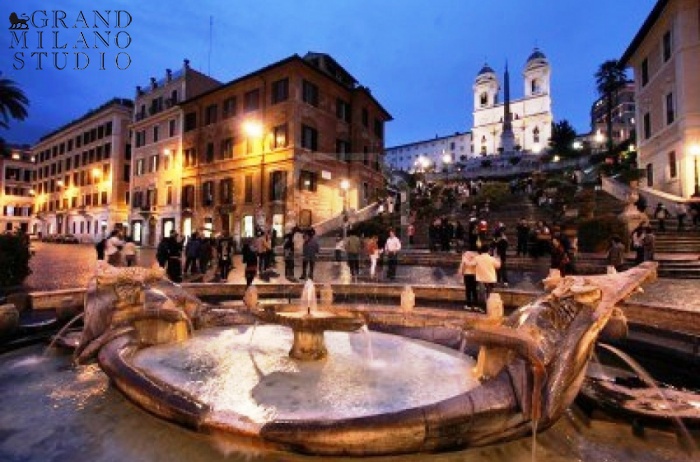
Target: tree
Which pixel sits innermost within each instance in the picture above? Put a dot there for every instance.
(13, 102)
(609, 78)
(562, 140)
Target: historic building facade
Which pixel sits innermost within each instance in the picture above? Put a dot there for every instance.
(16, 189)
(156, 163)
(531, 115)
(82, 176)
(293, 143)
(665, 57)
(623, 118)
(439, 153)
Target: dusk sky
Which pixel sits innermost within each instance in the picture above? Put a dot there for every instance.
(418, 57)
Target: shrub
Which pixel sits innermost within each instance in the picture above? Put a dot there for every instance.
(14, 260)
(594, 234)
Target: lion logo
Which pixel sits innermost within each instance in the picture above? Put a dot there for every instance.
(19, 23)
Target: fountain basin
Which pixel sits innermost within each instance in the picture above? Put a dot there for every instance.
(351, 403)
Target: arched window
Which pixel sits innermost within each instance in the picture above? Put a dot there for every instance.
(534, 86)
(484, 99)
(536, 135)
(483, 144)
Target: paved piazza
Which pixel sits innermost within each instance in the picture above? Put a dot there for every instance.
(64, 266)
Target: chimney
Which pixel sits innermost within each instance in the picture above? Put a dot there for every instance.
(169, 74)
(187, 63)
(154, 83)
(139, 91)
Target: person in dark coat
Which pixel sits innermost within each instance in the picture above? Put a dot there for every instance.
(224, 252)
(191, 254)
(250, 263)
(310, 250)
(161, 252)
(288, 249)
(204, 254)
(174, 269)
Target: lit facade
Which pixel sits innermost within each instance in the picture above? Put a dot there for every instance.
(531, 115)
(156, 163)
(82, 174)
(665, 57)
(431, 153)
(623, 117)
(272, 148)
(16, 193)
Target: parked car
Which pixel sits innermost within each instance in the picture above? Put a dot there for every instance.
(69, 239)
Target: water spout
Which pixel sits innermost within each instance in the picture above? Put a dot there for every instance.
(308, 297)
(62, 331)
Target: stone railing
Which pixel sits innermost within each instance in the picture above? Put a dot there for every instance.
(354, 216)
(622, 191)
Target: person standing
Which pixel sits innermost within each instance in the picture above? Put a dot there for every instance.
(191, 254)
(288, 249)
(352, 249)
(501, 246)
(162, 252)
(392, 247)
(559, 257)
(129, 251)
(372, 249)
(224, 252)
(339, 247)
(204, 255)
(309, 251)
(411, 233)
(638, 244)
(174, 268)
(467, 268)
(100, 244)
(661, 214)
(649, 244)
(250, 263)
(616, 253)
(485, 267)
(523, 232)
(681, 213)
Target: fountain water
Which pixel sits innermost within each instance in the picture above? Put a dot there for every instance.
(308, 297)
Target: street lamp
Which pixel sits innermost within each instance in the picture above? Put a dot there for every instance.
(254, 129)
(446, 159)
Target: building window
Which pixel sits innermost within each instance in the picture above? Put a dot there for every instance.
(484, 99)
(210, 114)
(365, 117)
(307, 181)
(171, 128)
(229, 107)
(139, 167)
(151, 197)
(108, 129)
(189, 157)
(190, 121)
(251, 100)
(535, 86)
(278, 185)
(227, 148)
(209, 155)
(309, 93)
(645, 71)
(342, 110)
(153, 164)
(309, 138)
(208, 193)
(155, 134)
(667, 46)
(188, 196)
(647, 126)
(248, 189)
(536, 135)
(279, 136)
(672, 165)
(226, 191)
(342, 149)
(280, 91)
(169, 195)
(378, 128)
(670, 109)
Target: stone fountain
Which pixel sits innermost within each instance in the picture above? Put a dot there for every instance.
(309, 324)
(140, 325)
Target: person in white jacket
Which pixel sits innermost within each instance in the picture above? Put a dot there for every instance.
(485, 269)
(392, 247)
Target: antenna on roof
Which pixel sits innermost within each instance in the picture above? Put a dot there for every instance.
(211, 27)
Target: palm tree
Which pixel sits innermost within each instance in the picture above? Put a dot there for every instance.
(13, 102)
(609, 78)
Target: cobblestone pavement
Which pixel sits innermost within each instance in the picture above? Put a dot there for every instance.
(64, 266)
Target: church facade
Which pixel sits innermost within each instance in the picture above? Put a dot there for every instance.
(531, 115)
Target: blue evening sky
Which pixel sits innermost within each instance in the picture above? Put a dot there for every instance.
(419, 57)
